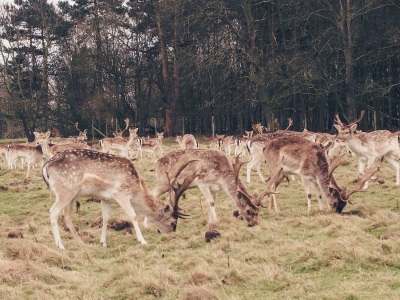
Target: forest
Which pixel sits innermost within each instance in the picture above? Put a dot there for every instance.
(176, 65)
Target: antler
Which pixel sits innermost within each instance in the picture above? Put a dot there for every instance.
(370, 172)
(127, 124)
(336, 162)
(278, 127)
(271, 180)
(362, 115)
(76, 126)
(337, 120)
(290, 123)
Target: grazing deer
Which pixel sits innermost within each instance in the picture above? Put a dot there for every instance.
(119, 144)
(296, 156)
(214, 174)
(49, 150)
(84, 173)
(256, 144)
(368, 146)
(188, 141)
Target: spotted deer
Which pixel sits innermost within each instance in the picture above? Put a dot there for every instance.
(256, 144)
(80, 138)
(30, 153)
(153, 146)
(369, 146)
(84, 173)
(122, 145)
(240, 144)
(293, 155)
(215, 174)
(187, 141)
(49, 150)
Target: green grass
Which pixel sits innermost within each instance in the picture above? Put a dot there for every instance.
(287, 256)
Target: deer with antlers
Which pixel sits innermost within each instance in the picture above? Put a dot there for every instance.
(120, 144)
(293, 155)
(61, 141)
(49, 150)
(369, 146)
(84, 173)
(214, 174)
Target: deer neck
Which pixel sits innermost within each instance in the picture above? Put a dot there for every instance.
(46, 149)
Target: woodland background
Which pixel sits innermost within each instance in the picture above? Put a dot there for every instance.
(177, 63)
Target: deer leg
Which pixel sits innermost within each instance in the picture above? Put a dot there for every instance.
(68, 221)
(61, 202)
(273, 201)
(307, 187)
(361, 166)
(255, 161)
(128, 209)
(210, 198)
(105, 209)
(395, 164)
(319, 195)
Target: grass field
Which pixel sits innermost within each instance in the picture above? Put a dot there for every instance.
(287, 256)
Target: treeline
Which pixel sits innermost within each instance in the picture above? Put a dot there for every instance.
(241, 61)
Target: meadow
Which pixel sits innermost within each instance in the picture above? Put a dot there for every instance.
(287, 256)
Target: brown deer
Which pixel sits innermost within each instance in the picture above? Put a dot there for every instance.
(84, 173)
(215, 174)
(188, 141)
(369, 146)
(61, 141)
(293, 155)
(49, 150)
(121, 145)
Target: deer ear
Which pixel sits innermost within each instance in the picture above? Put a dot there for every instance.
(338, 127)
(255, 194)
(167, 208)
(48, 134)
(353, 127)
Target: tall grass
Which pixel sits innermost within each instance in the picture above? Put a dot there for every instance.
(287, 256)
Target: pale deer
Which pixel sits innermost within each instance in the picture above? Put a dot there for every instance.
(240, 144)
(49, 150)
(216, 143)
(119, 134)
(30, 153)
(369, 146)
(153, 146)
(80, 138)
(84, 173)
(121, 145)
(188, 141)
(293, 155)
(215, 174)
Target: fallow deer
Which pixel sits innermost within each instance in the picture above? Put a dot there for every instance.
(84, 173)
(297, 156)
(30, 153)
(119, 134)
(215, 174)
(256, 144)
(369, 146)
(152, 146)
(80, 138)
(188, 141)
(121, 145)
(49, 150)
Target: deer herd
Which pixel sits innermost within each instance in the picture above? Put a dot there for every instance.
(72, 168)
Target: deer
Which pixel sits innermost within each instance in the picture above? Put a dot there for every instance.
(187, 141)
(369, 146)
(31, 153)
(49, 150)
(214, 174)
(290, 155)
(72, 174)
(119, 134)
(119, 144)
(80, 138)
(240, 143)
(216, 143)
(152, 146)
(256, 144)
